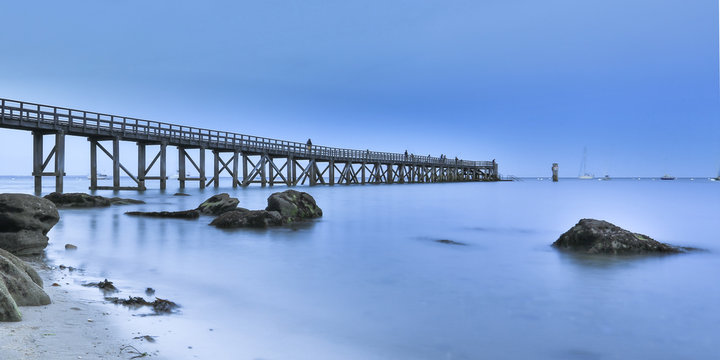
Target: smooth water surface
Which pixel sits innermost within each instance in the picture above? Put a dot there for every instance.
(369, 281)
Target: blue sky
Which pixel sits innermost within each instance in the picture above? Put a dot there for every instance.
(527, 83)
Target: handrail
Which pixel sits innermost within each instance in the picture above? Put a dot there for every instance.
(95, 121)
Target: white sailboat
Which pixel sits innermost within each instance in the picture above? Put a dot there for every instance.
(584, 175)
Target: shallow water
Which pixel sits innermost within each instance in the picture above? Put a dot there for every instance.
(368, 280)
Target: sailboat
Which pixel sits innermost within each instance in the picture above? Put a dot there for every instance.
(583, 171)
(667, 177)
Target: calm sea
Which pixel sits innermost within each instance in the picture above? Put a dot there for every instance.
(369, 281)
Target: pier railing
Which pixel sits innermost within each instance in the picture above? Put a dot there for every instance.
(89, 123)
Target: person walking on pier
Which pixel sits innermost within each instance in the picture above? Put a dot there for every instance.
(309, 144)
(405, 154)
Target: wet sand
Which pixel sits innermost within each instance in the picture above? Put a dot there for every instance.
(71, 327)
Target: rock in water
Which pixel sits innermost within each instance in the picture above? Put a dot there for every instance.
(121, 201)
(77, 200)
(20, 285)
(240, 218)
(185, 214)
(218, 204)
(294, 205)
(601, 237)
(24, 222)
(82, 200)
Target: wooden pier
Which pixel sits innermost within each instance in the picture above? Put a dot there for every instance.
(247, 159)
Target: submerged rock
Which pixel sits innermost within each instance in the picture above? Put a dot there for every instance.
(294, 205)
(186, 214)
(82, 200)
(159, 305)
(105, 285)
(121, 201)
(449, 242)
(20, 285)
(218, 204)
(601, 237)
(241, 218)
(24, 222)
(181, 194)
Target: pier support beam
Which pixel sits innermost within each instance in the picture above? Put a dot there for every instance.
(199, 166)
(313, 173)
(141, 165)
(216, 169)
(181, 167)
(37, 160)
(40, 162)
(163, 166)
(93, 164)
(116, 162)
(290, 179)
(59, 161)
(201, 170)
(235, 174)
(245, 181)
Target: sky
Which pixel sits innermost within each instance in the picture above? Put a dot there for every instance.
(525, 82)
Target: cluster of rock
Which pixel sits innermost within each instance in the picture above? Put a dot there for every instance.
(601, 237)
(283, 208)
(24, 223)
(82, 200)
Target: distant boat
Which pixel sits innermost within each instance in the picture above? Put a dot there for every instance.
(177, 175)
(100, 176)
(584, 175)
(667, 177)
(606, 177)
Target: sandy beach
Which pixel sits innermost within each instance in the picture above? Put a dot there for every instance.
(71, 327)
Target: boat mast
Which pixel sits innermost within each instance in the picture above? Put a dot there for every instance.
(583, 171)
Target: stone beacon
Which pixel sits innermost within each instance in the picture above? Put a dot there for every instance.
(555, 172)
(264, 160)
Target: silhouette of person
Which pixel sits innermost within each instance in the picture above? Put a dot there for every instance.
(309, 144)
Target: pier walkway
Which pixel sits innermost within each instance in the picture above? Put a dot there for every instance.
(247, 159)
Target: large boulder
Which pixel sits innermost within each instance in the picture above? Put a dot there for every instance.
(294, 205)
(241, 218)
(218, 204)
(601, 237)
(20, 285)
(24, 223)
(82, 200)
